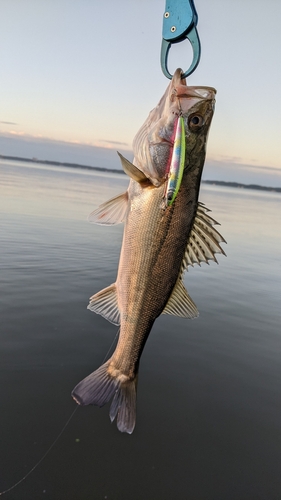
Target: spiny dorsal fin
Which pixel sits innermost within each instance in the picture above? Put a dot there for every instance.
(111, 212)
(105, 303)
(204, 240)
(131, 170)
(180, 303)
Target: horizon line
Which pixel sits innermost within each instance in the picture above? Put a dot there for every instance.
(120, 171)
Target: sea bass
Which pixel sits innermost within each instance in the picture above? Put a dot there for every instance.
(160, 241)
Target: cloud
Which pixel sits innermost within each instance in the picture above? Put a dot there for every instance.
(27, 146)
(16, 132)
(8, 123)
(231, 171)
(238, 163)
(116, 143)
(225, 169)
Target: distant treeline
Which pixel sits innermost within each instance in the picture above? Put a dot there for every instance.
(115, 171)
(60, 164)
(244, 186)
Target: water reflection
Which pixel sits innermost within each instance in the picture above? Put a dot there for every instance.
(208, 418)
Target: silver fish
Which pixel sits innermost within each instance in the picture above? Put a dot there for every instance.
(159, 243)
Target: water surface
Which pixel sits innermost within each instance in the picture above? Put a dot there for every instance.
(209, 408)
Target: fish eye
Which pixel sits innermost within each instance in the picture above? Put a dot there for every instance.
(195, 121)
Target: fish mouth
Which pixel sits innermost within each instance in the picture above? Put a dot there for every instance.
(154, 141)
(186, 96)
(197, 92)
(179, 100)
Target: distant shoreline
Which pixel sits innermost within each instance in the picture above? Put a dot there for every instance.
(115, 171)
(243, 186)
(60, 164)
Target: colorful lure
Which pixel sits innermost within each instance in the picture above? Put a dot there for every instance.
(177, 164)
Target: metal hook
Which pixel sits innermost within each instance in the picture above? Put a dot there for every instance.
(179, 23)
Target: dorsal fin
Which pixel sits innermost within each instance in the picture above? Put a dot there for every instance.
(202, 245)
(131, 170)
(204, 240)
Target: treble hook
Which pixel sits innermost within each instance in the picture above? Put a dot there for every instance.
(180, 20)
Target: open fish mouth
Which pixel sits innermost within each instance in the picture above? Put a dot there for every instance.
(181, 89)
(186, 96)
(182, 103)
(185, 92)
(153, 143)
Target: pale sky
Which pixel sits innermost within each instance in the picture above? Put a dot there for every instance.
(88, 72)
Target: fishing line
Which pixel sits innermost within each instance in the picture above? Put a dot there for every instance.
(44, 456)
(56, 439)
(111, 345)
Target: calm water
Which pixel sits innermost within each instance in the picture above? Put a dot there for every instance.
(209, 406)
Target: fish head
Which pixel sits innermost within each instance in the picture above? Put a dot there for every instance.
(153, 144)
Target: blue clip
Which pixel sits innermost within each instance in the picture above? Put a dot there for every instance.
(180, 20)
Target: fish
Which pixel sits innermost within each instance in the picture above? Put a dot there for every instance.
(160, 241)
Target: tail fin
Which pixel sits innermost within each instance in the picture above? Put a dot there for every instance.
(96, 389)
(99, 387)
(124, 406)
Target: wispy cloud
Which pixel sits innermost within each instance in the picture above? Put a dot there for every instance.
(16, 132)
(104, 156)
(8, 123)
(239, 163)
(118, 143)
(100, 143)
(44, 148)
(231, 171)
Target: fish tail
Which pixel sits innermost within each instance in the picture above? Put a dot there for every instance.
(100, 386)
(124, 406)
(96, 389)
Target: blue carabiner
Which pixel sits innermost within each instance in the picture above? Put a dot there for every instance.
(180, 20)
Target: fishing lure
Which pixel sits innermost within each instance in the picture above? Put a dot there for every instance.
(177, 164)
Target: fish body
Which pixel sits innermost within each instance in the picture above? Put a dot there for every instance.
(159, 242)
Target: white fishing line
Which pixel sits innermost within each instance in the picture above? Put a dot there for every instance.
(111, 345)
(44, 456)
(57, 438)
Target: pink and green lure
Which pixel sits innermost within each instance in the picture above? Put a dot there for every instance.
(177, 163)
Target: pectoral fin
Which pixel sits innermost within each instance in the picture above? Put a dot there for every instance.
(131, 170)
(111, 212)
(180, 303)
(105, 303)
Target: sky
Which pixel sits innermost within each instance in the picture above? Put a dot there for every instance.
(78, 79)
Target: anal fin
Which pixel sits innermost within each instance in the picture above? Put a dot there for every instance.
(180, 303)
